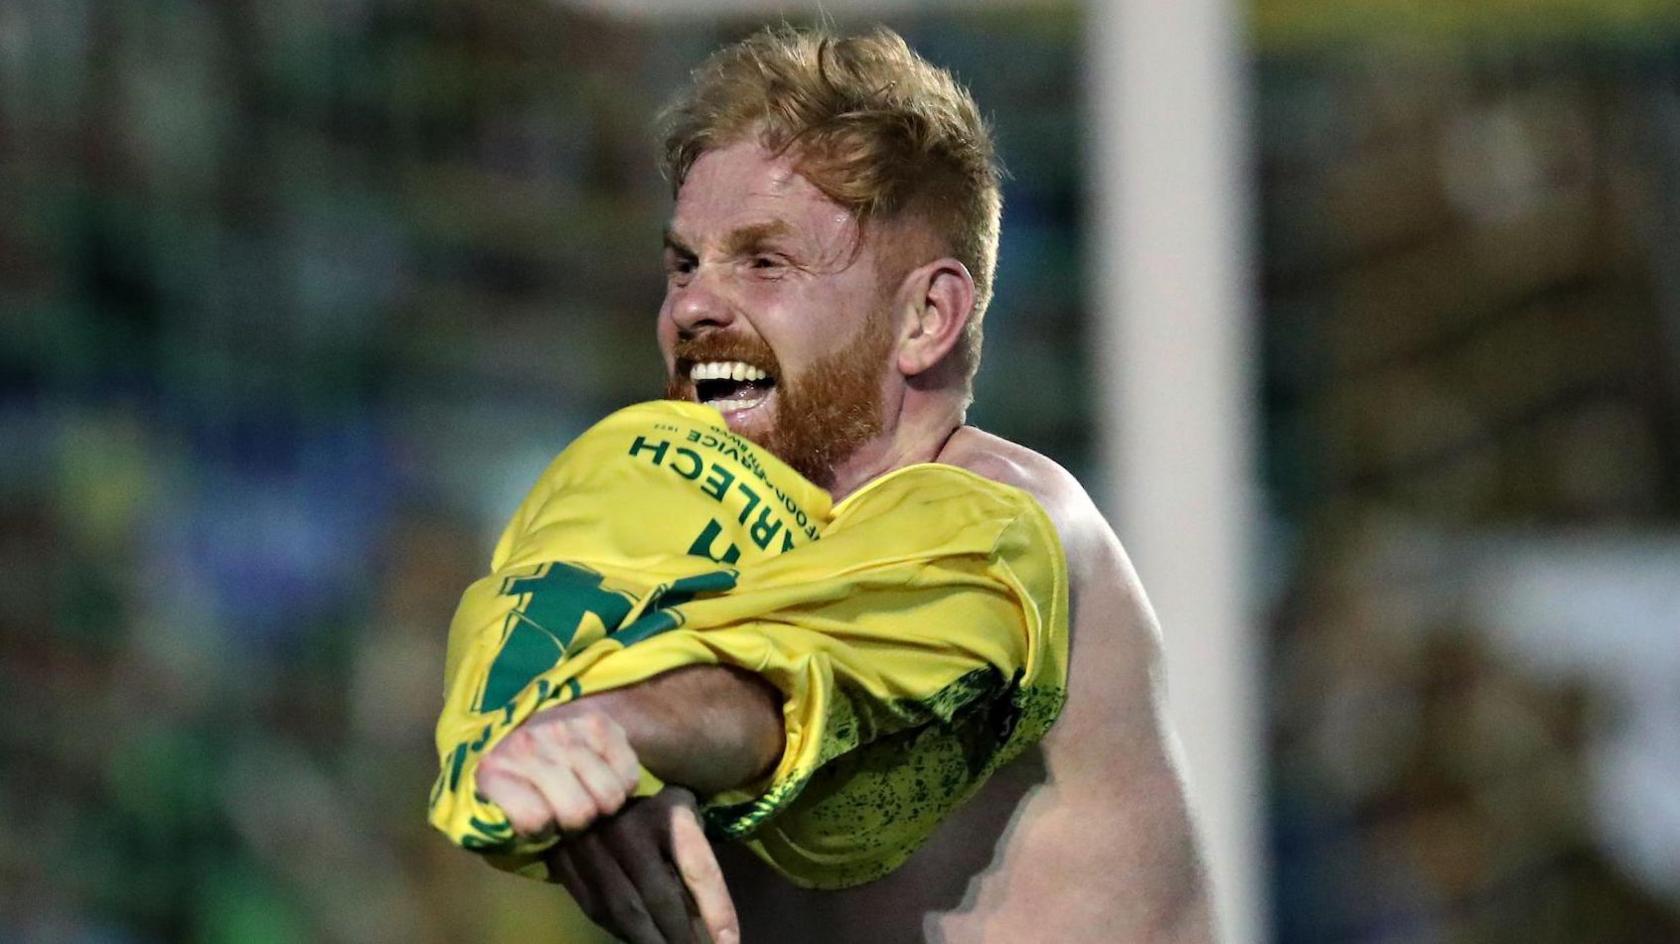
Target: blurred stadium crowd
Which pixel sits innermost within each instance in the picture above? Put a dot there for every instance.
(1471, 291)
(296, 299)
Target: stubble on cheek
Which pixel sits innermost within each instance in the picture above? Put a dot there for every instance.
(820, 417)
(830, 410)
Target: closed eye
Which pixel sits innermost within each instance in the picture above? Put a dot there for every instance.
(769, 265)
(678, 265)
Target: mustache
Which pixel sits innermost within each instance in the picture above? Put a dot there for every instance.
(725, 347)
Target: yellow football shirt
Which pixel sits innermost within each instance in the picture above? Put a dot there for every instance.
(917, 631)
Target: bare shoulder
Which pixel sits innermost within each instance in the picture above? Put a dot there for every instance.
(1115, 636)
(1091, 546)
(1066, 502)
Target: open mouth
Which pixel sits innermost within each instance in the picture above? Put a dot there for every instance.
(730, 386)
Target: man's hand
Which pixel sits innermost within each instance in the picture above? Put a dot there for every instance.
(565, 768)
(637, 873)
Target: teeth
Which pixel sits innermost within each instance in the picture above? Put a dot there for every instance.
(726, 370)
(727, 407)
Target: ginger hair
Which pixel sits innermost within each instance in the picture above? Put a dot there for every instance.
(875, 127)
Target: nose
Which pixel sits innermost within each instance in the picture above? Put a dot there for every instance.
(698, 304)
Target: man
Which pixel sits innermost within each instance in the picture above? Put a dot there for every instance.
(829, 259)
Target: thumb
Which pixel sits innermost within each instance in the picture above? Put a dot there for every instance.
(692, 854)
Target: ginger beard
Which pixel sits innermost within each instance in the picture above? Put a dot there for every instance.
(824, 414)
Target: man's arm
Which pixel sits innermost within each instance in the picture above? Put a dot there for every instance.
(707, 728)
(1114, 804)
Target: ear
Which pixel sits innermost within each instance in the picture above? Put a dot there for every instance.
(938, 300)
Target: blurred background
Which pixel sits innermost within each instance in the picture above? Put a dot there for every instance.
(297, 298)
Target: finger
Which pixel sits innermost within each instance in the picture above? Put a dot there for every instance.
(571, 806)
(562, 869)
(647, 867)
(697, 864)
(528, 812)
(626, 914)
(606, 738)
(579, 745)
(603, 785)
(613, 745)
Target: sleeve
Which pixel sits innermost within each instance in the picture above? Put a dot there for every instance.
(523, 639)
(515, 644)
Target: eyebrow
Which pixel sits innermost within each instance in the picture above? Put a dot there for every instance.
(739, 241)
(748, 238)
(675, 243)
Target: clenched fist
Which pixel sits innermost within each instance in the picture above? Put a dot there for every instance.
(565, 768)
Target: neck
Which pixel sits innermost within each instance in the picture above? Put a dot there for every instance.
(914, 433)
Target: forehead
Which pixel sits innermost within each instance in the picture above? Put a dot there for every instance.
(745, 185)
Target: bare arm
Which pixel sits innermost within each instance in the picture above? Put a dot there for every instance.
(1106, 850)
(708, 728)
(641, 868)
